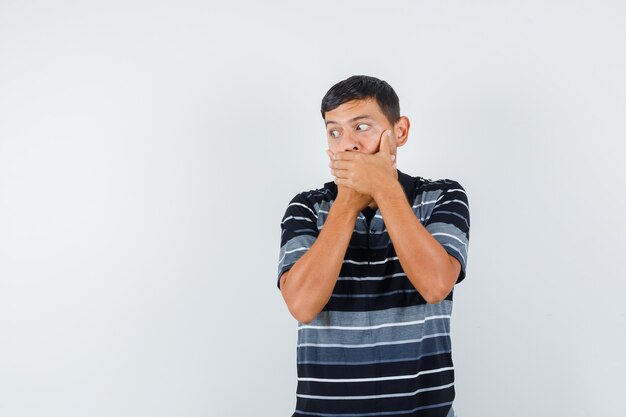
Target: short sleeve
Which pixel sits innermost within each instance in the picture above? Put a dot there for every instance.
(449, 223)
(298, 232)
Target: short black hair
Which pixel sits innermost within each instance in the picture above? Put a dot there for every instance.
(361, 87)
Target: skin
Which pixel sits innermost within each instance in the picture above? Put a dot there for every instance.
(363, 155)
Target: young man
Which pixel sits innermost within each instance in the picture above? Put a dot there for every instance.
(367, 267)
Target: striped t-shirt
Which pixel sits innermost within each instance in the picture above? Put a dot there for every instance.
(377, 348)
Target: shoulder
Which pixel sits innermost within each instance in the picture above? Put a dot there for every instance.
(420, 184)
(442, 184)
(314, 196)
(443, 192)
(312, 199)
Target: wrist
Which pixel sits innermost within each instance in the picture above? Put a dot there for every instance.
(390, 189)
(344, 209)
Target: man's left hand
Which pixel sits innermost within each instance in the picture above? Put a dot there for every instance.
(367, 173)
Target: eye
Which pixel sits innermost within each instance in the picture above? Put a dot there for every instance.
(334, 134)
(362, 124)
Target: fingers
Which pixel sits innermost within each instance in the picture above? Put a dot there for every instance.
(384, 143)
(331, 157)
(388, 146)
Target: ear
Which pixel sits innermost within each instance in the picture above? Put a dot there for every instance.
(401, 129)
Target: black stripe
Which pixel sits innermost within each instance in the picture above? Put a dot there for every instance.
(343, 371)
(376, 387)
(422, 399)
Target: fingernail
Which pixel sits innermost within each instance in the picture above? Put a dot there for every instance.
(393, 157)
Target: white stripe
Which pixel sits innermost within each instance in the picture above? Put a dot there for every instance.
(383, 378)
(395, 342)
(449, 235)
(456, 250)
(305, 206)
(290, 251)
(361, 216)
(367, 397)
(297, 218)
(377, 326)
(399, 274)
(424, 203)
(457, 189)
(451, 201)
(349, 261)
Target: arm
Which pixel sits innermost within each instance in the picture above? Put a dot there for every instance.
(429, 267)
(308, 285)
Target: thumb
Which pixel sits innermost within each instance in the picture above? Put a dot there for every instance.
(387, 148)
(383, 147)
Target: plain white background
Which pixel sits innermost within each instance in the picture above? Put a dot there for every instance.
(148, 150)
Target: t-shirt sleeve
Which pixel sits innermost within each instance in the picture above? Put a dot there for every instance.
(298, 232)
(449, 223)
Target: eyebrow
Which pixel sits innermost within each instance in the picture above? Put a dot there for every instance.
(363, 116)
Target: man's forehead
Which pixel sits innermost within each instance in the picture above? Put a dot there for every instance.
(354, 110)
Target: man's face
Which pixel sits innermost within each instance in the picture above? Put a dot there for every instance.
(356, 125)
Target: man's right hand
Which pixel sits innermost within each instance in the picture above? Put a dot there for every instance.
(346, 195)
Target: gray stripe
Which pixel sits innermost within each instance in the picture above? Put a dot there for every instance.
(398, 331)
(289, 254)
(458, 240)
(424, 204)
(373, 353)
(376, 317)
(322, 208)
(461, 238)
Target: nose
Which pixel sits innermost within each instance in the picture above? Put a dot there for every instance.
(350, 142)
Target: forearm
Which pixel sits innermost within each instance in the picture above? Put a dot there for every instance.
(423, 259)
(312, 278)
